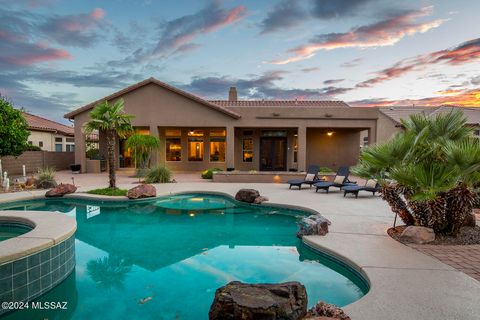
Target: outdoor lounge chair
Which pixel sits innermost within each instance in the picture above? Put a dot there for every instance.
(371, 185)
(310, 178)
(340, 180)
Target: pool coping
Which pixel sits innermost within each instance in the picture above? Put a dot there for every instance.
(49, 229)
(404, 283)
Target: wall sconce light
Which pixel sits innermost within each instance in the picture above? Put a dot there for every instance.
(330, 133)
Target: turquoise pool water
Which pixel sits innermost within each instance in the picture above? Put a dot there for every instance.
(164, 258)
(11, 230)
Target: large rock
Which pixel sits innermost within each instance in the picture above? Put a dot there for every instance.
(61, 190)
(418, 235)
(325, 311)
(247, 195)
(142, 191)
(46, 184)
(31, 182)
(244, 301)
(470, 220)
(315, 224)
(260, 199)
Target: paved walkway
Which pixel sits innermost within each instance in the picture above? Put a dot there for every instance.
(405, 283)
(463, 258)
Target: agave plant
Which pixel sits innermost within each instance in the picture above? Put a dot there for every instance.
(428, 171)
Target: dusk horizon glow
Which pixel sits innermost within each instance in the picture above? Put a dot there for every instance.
(57, 55)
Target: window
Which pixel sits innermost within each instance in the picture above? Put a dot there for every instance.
(195, 145)
(70, 147)
(476, 133)
(40, 144)
(58, 147)
(217, 145)
(248, 150)
(365, 141)
(173, 144)
(58, 139)
(30, 142)
(274, 133)
(69, 139)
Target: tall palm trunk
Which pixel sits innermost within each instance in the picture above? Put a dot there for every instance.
(391, 195)
(111, 159)
(460, 202)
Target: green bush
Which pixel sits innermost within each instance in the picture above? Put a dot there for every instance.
(32, 148)
(324, 170)
(109, 192)
(158, 174)
(93, 153)
(208, 174)
(46, 178)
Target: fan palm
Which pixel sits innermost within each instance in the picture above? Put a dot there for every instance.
(433, 166)
(113, 121)
(142, 146)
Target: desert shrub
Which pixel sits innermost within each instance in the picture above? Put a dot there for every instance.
(46, 178)
(208, 174)
(93, 153)
(434, 166)
(324, 170)
(158, 174)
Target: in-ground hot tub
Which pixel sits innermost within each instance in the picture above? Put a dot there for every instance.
(37, 252)
(13, 229)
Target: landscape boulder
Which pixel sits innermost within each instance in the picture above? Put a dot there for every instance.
(31, 181)
(315, 224)
(470, 220)
(418, 235)
(142, 191)
(238, 300)
(260, 199)
(61, 190)
(326, 311)
(46, 184)
(247, 195)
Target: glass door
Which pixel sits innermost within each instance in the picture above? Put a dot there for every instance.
(273, 154)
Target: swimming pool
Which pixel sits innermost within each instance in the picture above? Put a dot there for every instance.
(164, 258)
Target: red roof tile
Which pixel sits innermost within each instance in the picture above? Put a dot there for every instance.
(42, 124)
(280, 103)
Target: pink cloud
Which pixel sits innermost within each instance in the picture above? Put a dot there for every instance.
(97, 13)
(384, 33)
(42, 54)
(232, 16)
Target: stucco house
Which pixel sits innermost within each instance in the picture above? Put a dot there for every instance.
(389, 119)
(262, 135)
(49, 135)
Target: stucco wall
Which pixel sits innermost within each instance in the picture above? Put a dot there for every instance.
(48, 139)
(386, 128)
(340, 149)
(33, 160)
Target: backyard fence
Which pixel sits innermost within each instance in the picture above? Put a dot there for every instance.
(33, 160)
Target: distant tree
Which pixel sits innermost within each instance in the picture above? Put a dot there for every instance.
(112, 120)
(13, 130)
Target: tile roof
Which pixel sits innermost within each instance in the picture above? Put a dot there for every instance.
(280, 103)
(42, 124)
(160, 83)
(402, 112)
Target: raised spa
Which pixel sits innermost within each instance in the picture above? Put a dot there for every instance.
(167, 256)
(10, 230)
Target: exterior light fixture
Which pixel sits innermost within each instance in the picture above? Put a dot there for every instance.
(330, 133)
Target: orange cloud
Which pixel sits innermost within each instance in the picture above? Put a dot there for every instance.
(383, 33)
(467, 98)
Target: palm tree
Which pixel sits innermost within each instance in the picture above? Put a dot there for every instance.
(427, 172)
(142, 146)
(113, 121)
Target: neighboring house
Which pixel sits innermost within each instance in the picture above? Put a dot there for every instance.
(49, 135)
(196, 134)
(389, 120)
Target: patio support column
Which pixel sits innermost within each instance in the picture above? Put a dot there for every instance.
(80, 145)
(302, 148)
(154, 160)
(230, 156)
(372, 136)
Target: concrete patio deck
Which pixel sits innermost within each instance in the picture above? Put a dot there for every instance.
(405, 283)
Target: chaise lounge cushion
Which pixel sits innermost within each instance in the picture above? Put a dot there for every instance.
(310, 177)
(371, 183)
(339, 179)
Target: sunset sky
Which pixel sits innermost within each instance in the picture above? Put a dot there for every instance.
(58, 55)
